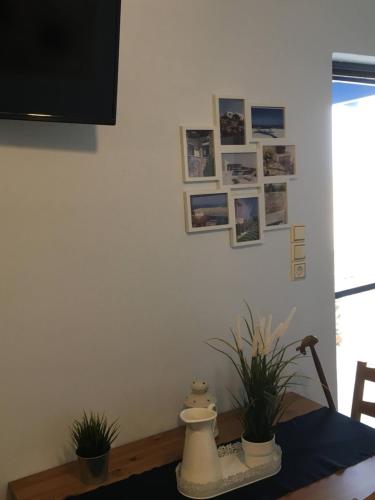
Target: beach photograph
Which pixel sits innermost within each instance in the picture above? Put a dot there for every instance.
(209, 210)
(200, 151)
(247, 227)
(268, 122)
(232, 121)
(279, 160)
(239, 168)
(276, 204)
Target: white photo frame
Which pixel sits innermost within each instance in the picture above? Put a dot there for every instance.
(207, 210)
(276, 213)
(231, 106)
(267, 122)
(278, 161)
(199, 158)
(240, 169)
(247, 216)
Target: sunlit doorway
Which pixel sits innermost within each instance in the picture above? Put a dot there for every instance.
(353, 140)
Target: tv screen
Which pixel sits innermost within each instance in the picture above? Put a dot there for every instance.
(59, 60)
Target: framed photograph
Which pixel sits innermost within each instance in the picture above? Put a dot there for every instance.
(247, 220)
(267, 121)
(206, 211)
(276, 205)
(198, 152)
(231, 118)
(279, 160)
(239, 169)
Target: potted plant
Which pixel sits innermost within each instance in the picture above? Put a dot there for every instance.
(260, 361)
(92, 438)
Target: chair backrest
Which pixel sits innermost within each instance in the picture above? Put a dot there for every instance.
(359, 406)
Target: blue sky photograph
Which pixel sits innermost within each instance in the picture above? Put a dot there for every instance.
(249, 207)
(263, 117)
(231, 105)
(209, 200)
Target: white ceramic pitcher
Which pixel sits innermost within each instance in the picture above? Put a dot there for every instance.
(200, 460)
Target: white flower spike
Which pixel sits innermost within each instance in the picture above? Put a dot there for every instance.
(263, 339)
(290, 317)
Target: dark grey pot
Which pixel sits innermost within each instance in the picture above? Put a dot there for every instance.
(94, 470)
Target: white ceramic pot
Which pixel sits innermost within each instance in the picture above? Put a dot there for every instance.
(257, 453)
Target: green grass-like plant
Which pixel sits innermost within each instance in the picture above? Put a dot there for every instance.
(260, 362)
(92, 436)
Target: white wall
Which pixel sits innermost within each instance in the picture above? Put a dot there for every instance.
(105, 301)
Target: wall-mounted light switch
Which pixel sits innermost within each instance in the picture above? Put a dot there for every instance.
(298, 251)
(298, 233)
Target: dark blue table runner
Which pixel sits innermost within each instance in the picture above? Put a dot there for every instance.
(314, 446)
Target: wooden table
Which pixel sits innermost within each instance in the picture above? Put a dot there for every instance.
(133, 458)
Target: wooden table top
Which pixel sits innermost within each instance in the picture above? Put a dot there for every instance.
(136, 457)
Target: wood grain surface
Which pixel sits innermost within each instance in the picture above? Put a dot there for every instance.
(139, 456)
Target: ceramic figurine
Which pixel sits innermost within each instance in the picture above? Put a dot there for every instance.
(200, 397)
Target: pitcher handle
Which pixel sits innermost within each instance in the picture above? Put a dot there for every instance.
(212, 407)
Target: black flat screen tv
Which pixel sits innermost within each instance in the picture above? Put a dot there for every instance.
(59, 60)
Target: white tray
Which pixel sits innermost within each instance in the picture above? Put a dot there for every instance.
(236, 473)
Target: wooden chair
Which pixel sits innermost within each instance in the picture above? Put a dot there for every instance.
(311, 341)
(359, 406)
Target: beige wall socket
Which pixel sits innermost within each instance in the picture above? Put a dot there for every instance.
(298, 270)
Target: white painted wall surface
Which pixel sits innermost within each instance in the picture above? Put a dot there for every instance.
(105, 301)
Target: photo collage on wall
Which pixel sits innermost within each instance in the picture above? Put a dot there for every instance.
(247, 155)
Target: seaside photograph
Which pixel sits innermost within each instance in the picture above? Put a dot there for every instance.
(247, 219)
(279, 160)
(239, 168)
(209, 210)
(276, 204)
(232, 121)
(200, 152)
(268, 122)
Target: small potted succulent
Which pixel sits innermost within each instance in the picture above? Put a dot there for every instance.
(92, 438)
